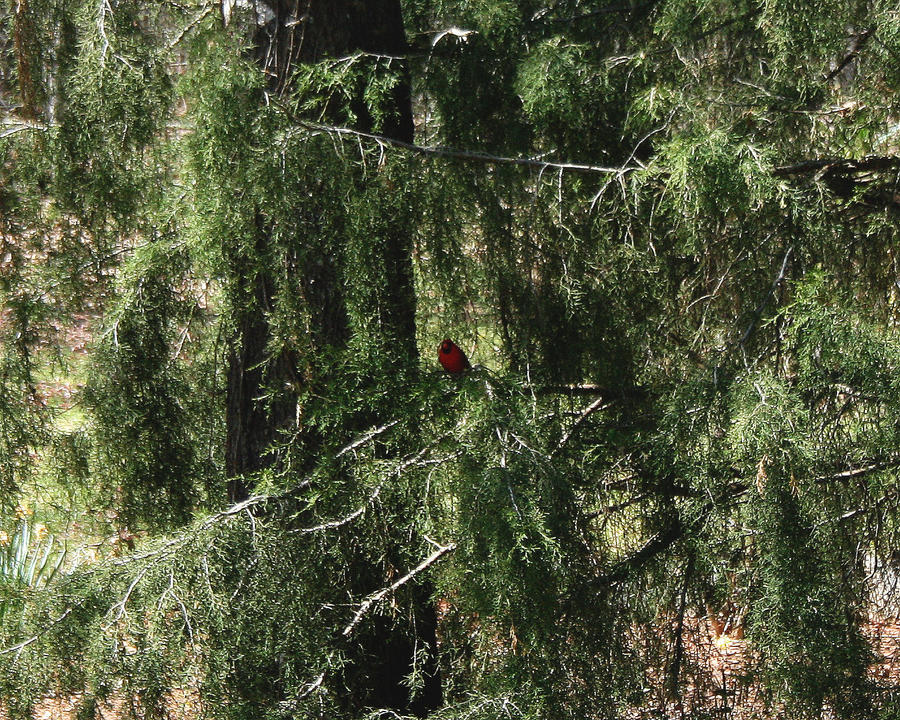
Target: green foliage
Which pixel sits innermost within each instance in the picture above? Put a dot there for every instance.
(30, 558)
(686, 357)
(112, 105)
(146, 458)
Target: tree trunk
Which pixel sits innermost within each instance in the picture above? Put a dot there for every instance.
(288, 33)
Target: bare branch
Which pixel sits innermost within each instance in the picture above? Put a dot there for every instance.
(832, 166)
(191, 25)
(291, 705)
(367, 604)
(456, 32)
(383, 140)
(363, 439)
(857, 472)
(13, 126)
(596, 406)
(859, 40)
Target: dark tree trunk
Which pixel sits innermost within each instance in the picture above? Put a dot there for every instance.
(289, 33)
(303, 32)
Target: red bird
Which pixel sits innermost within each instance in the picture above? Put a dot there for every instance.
(452, 358)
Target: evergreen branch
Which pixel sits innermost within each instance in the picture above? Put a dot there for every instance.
(184, 610)
(347, 519)
(120, 605)
(374, 598)
(891, 494)
(456, 32)
(172, 546)
(574, 389)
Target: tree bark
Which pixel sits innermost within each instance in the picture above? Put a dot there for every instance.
(286, 34)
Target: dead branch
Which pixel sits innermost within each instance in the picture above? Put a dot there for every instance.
(367, 604)
(363, 439)
(834, 166)
(596, 406)
(856, 472)
(435, 151)
(859, 40)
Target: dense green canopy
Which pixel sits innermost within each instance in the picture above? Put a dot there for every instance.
(664, 232)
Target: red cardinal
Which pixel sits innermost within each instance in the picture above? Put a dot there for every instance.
(452, 358)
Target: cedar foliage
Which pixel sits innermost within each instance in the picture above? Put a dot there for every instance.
(687, 327)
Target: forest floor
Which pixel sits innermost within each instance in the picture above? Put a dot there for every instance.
(718, 674)
(715, 676)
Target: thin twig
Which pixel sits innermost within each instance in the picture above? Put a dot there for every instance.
(871, 163)
(757, 314)
(573, 389)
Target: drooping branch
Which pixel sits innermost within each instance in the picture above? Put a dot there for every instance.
(169, 548)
